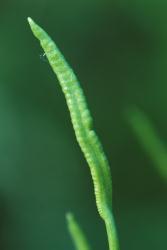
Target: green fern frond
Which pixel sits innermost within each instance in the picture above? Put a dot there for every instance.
(82, 124)
(77, 235)
(149, 139)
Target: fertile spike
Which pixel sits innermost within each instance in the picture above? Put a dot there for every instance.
(82, 124)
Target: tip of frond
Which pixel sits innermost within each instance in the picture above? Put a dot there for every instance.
(32, 24)
(29, 19)
(38, 32)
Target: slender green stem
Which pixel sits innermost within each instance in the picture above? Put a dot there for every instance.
(83, 127)
(111, 231)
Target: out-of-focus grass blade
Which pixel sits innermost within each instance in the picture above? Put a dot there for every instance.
(77, 234)
(148, 138)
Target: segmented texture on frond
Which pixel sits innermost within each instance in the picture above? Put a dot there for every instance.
(82, 123)
(81, 119)
(77, 235)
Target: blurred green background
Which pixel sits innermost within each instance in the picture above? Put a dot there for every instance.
(118, 49)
